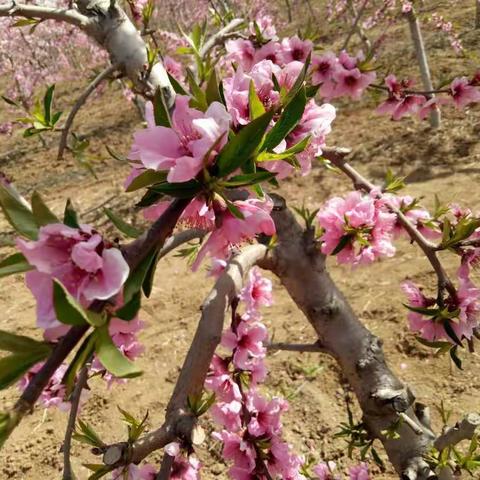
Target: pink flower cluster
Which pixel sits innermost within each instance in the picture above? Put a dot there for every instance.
(252, 428)
(315, 122)
(326, 471)
(358, 228)
(183, 468)
(431, 328)
(227, 230)
(403, 101)
(87, 266)
(340, 76)
(447, 27)
(135, 472)
(54, 394)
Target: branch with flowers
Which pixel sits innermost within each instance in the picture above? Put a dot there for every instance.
(209, 157)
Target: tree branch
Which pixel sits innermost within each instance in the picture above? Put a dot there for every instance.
(67, 15)
(179, 421)
(464, 430)
(78, 104)
(337, 157)
(75, 403)
(296, 347)
(301, 268)
(219, 37)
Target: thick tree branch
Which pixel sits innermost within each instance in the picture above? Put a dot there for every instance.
(301, 268)
(78, 104)
(68, 15)
(179, 421)
(464, 430)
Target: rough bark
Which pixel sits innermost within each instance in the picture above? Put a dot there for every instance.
(301, 268)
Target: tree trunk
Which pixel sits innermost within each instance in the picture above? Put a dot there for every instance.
(422, 63)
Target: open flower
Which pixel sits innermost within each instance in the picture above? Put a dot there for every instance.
(264, 414)
(357, 228)
(257, 291)
(182, 149)
(463, 93)
(88, 267)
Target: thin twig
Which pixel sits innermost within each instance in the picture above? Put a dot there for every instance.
(220, 36)
(355, 23)
(74, 406)
(166, 467)
(295, 347)
(78, 104)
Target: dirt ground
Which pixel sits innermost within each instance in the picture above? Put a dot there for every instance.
(444, 162)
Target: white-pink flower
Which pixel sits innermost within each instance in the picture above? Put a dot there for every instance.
(88, 267)
(182, 150)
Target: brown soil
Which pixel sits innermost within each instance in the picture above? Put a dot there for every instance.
(444, 162)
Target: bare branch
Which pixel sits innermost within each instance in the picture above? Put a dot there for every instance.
(68, 15)
(79, 103)
(296, 347)
(464, 430)
(355, 26)
(301, 268)
(219, 37)
(179, 422)
(75, 403)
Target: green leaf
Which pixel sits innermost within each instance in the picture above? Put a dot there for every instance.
(47, 103)
(67, 309)
(149, 198)
(70, 217)
(11, 102)
(13, 367)
(298, 85)
(124, 227)
(117, 156)
(456, 360)
(82, 356)
(160, 110)
(430, 344)
(111, 357)
(18, 215)
(146, 178)
(344, 241)
(429, 312)
(199, 99)
(239, 150)
(179, 190)
(288, 120)
(297, 148)
(15, 263)
(42, 214)
(212, 92)
(248, 179)
(137, 276)
(255, 105)
(234, 210)
(451, 333)
(129, 310)
(149, 276)
(177, 86)
(11, 342)
(90, 436)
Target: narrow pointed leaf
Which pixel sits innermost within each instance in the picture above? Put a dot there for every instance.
(212, 91)
(112, 358)
(124, 227)
(70, 217)
(239, 150)
(256, 106)
(15, 263)
(160, 110)
(130, 310)
(11, 342)
(67, 309)
(147, 178)
(18, 215)
(13, 367)
(47, 103)
(42, 214)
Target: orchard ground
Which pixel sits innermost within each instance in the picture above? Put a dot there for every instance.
(443, 162)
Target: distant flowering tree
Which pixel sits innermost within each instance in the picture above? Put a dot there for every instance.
(219, 137)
